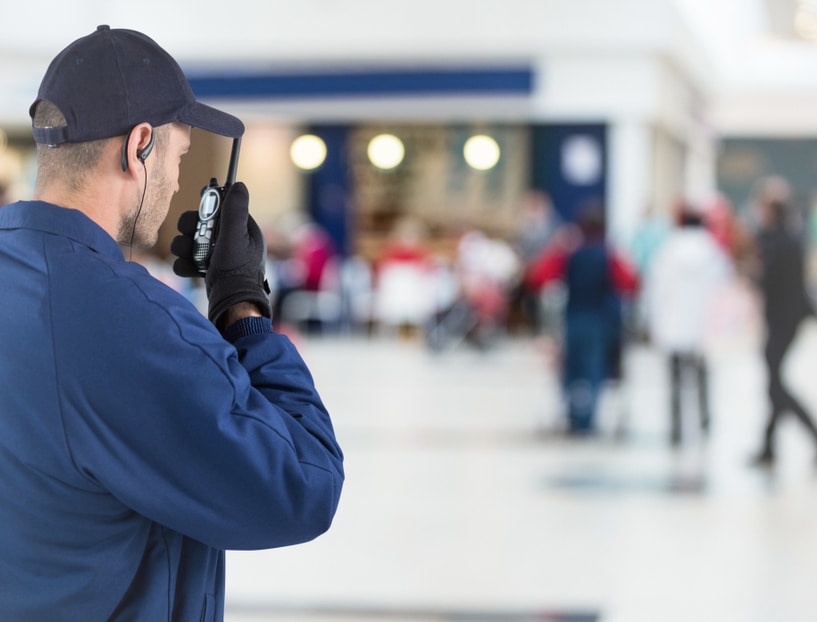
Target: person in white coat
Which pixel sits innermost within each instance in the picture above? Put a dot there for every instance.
(681, 285)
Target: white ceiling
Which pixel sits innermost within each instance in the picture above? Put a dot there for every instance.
(759, 73)
(752, 43)
(765, 74)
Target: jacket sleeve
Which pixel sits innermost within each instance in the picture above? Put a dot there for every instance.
(229, 444)
(548, 266)
(623, 274)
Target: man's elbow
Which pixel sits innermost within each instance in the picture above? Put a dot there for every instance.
(300, 513)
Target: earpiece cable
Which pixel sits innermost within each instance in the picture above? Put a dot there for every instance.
(138, 212)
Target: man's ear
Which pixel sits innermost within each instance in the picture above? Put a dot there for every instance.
(145, 135)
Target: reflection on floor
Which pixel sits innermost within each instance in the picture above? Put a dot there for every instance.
(463, 501)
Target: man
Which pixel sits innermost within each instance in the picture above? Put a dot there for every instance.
(781, 282)
(138, 440)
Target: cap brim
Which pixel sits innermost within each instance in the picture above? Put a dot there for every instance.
(212, 120)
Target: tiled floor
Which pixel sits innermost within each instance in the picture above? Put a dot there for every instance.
(461, 503)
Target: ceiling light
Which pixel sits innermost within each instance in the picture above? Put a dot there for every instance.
(386, 151)
(481, 152)
(308, 152)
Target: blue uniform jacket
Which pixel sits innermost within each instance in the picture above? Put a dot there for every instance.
(136, 443)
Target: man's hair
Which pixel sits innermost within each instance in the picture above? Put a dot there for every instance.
(71, 162)
(590, 218)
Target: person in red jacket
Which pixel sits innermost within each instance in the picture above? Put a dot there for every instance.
(595, 278)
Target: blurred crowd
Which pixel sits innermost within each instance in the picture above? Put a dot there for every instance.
(584, 298)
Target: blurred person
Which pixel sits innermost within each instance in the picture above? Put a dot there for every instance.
(487, 269)
(407, 245)
(538, 225)
(307, 261)
(405, 284)
(780, 278)
(138, 439)
(732, 235)
(596, 278)
(650, 234)
(679, 294)
(811, 248)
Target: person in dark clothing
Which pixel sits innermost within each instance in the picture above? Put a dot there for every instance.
(595, 277)
(785, 304)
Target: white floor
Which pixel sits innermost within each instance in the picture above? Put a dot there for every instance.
(462, 504)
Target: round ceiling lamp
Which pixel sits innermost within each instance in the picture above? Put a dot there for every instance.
(386, 151)
(481, 152)
(308, 152)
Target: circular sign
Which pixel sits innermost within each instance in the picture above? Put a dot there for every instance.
(581, 160)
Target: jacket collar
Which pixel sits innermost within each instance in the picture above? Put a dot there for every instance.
(61, 221)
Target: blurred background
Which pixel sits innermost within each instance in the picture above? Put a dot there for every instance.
(421, 171)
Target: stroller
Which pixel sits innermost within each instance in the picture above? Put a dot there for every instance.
(476, 316)
(485, 272)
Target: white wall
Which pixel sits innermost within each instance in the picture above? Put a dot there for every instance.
(260, 33)
(631, 63)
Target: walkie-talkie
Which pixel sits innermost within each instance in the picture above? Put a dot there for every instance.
(212, 195)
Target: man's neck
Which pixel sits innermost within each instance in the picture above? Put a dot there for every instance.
(99, 202)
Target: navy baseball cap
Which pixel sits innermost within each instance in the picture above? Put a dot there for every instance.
(113, 79)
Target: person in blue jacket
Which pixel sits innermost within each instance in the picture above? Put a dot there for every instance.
(139, 440)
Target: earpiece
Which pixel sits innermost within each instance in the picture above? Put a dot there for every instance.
(142, 154)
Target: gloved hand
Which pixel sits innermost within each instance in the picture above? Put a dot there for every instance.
(236, 271)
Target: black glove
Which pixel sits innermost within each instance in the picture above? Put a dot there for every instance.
(236, 271)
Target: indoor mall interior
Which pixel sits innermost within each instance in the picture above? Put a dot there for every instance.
(415, 168)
